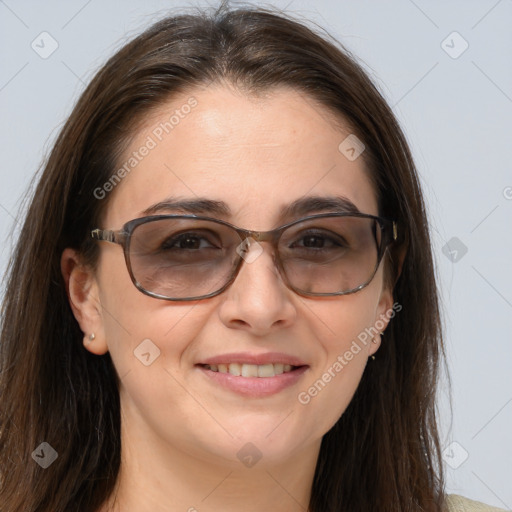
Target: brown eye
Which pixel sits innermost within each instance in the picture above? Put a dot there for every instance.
(187, 241)
(318, 241)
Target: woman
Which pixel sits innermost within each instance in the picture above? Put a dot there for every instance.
(223, 296)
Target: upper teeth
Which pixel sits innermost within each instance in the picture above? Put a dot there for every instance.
(251, 370)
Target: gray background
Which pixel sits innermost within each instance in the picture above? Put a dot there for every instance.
(455, 109)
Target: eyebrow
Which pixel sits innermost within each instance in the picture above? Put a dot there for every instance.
(300, 207)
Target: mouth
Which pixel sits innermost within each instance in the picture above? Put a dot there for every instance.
(248, 370)
(253, 376)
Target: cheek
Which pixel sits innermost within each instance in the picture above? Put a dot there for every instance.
(344, 340)
(143, 332)
(344, 321)
(148, 340)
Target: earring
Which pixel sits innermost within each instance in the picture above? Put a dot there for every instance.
(374, 340)
(373, 358)
(92, 336)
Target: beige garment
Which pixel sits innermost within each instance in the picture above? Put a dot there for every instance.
(457, 503)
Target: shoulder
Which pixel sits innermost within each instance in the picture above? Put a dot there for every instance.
(455, 503)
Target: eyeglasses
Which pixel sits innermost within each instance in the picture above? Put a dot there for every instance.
(189, 257)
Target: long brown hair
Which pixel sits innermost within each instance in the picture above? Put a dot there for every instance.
(384, 452)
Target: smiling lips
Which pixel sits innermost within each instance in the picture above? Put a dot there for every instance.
(254, 387)
(245, 364)
(251, 370)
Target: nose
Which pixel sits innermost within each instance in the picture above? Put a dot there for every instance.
(258, 300)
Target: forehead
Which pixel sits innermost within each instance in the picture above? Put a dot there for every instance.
(256, 154)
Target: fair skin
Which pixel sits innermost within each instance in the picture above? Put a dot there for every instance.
(180, 432)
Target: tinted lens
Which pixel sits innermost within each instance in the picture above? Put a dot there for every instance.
(330, 254)
(182, 258)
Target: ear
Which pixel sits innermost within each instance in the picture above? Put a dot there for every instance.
(83, 295)
(386, 307)
(383, 314)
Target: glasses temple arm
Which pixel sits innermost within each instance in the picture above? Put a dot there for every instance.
(104, 235)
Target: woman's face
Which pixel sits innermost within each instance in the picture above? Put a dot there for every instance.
(256, 155)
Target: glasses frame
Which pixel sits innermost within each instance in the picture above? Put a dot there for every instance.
(389, 234)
